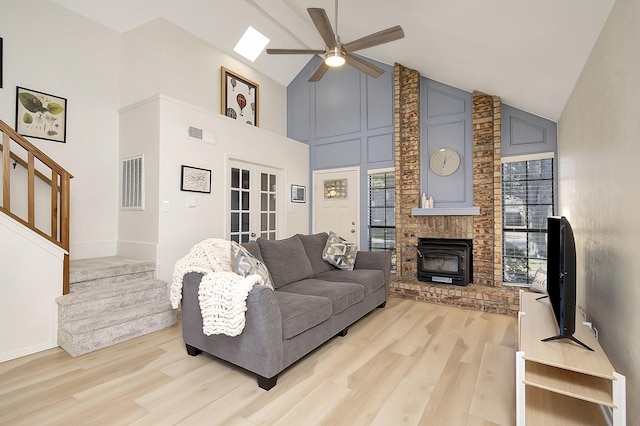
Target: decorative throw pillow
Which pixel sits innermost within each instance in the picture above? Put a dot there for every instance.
(245, 264)
(539, 283)
(340, 252)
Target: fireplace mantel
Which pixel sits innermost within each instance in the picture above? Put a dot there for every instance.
(446, 211)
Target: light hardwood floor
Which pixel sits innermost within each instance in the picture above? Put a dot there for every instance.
(409, 363)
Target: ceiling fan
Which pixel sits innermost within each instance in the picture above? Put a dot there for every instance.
(336, 53)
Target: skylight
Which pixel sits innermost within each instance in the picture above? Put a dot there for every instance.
(251, 44)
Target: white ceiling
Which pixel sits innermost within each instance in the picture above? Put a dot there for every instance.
(528, 52)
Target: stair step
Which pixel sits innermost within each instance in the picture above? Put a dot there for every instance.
(111, 300)
(90, 334)
(109, 281)
(82, 270)
(115, 298)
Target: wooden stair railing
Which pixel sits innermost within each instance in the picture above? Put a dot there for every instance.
(54, 176)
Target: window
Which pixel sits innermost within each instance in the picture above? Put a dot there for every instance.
(382, 213)
(527, 199)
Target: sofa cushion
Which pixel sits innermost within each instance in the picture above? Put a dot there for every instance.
(286, 260)
(340, 252)
(301, 312)
(370, 279)
(244, 263)
(254, 249)
(314, 246)
(341, 294)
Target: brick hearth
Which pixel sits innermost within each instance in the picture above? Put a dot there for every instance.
(486, 293)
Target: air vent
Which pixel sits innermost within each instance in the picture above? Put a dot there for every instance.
(202, 135)
(195, 133)
(133, 183)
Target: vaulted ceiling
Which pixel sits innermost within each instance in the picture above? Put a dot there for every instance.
(530, 53)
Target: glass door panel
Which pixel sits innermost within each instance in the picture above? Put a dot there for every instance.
(240, 205)
(253, 202)
(268, 206)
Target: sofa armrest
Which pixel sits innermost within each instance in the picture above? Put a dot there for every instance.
(258, 348)
(380, 260)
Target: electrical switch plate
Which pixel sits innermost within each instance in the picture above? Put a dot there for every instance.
(165, 206)
(191, 203)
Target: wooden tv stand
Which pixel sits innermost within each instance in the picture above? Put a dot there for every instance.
(560, 382)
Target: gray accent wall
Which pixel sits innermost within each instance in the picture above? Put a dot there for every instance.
(446, 121)
(524, 133)
(347, 120)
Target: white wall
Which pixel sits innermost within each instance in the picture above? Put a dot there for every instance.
(170, 80)
(181, 227)
(160, 57)
(99, 70)
(49, 49)
(29, 285)
(598, 176)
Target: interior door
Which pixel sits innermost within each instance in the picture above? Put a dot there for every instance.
(336, 206)
(253, 202)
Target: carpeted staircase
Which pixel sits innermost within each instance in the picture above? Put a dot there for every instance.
(111, 300)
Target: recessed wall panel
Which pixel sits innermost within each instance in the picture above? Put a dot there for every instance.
(338, 103)
(298, 103)
(379, 109)
(440, 103)
(337, 154)
(449, 189)
(524, 133)
(380, 148)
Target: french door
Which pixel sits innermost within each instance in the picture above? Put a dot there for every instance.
(253, 203)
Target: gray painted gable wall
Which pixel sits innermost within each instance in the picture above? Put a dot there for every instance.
(347, 119)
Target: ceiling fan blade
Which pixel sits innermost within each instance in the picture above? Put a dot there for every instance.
(364, 66)
(295, 52)
(381, 37)
(319, 72)
(321, 21)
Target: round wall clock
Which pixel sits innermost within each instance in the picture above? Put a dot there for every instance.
(445, 161)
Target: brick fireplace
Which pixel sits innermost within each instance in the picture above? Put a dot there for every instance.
(486, 293)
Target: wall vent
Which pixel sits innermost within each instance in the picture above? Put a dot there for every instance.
(133, 183)
(201, 135)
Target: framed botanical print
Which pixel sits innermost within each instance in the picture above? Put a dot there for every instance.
(239, 97)
(41, 115)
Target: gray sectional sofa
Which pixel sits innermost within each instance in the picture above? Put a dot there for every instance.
(312, 302)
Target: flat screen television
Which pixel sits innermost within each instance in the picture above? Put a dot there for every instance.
(561, 277)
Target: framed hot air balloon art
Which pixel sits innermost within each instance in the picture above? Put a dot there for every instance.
(239, 99)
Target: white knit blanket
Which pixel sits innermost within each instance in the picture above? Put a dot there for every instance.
(222, 293)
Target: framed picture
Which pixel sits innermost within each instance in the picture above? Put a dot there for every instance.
(41, 115)
(298, 194)
(239, 98)
(195, 179)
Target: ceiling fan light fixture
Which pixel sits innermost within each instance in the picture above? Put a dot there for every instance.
(334, 58)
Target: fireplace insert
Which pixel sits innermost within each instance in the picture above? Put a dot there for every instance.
(445, 260)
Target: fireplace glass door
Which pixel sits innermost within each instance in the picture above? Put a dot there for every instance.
(441, 262)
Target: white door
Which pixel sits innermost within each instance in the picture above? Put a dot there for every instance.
(253, 203)
(336, 202)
